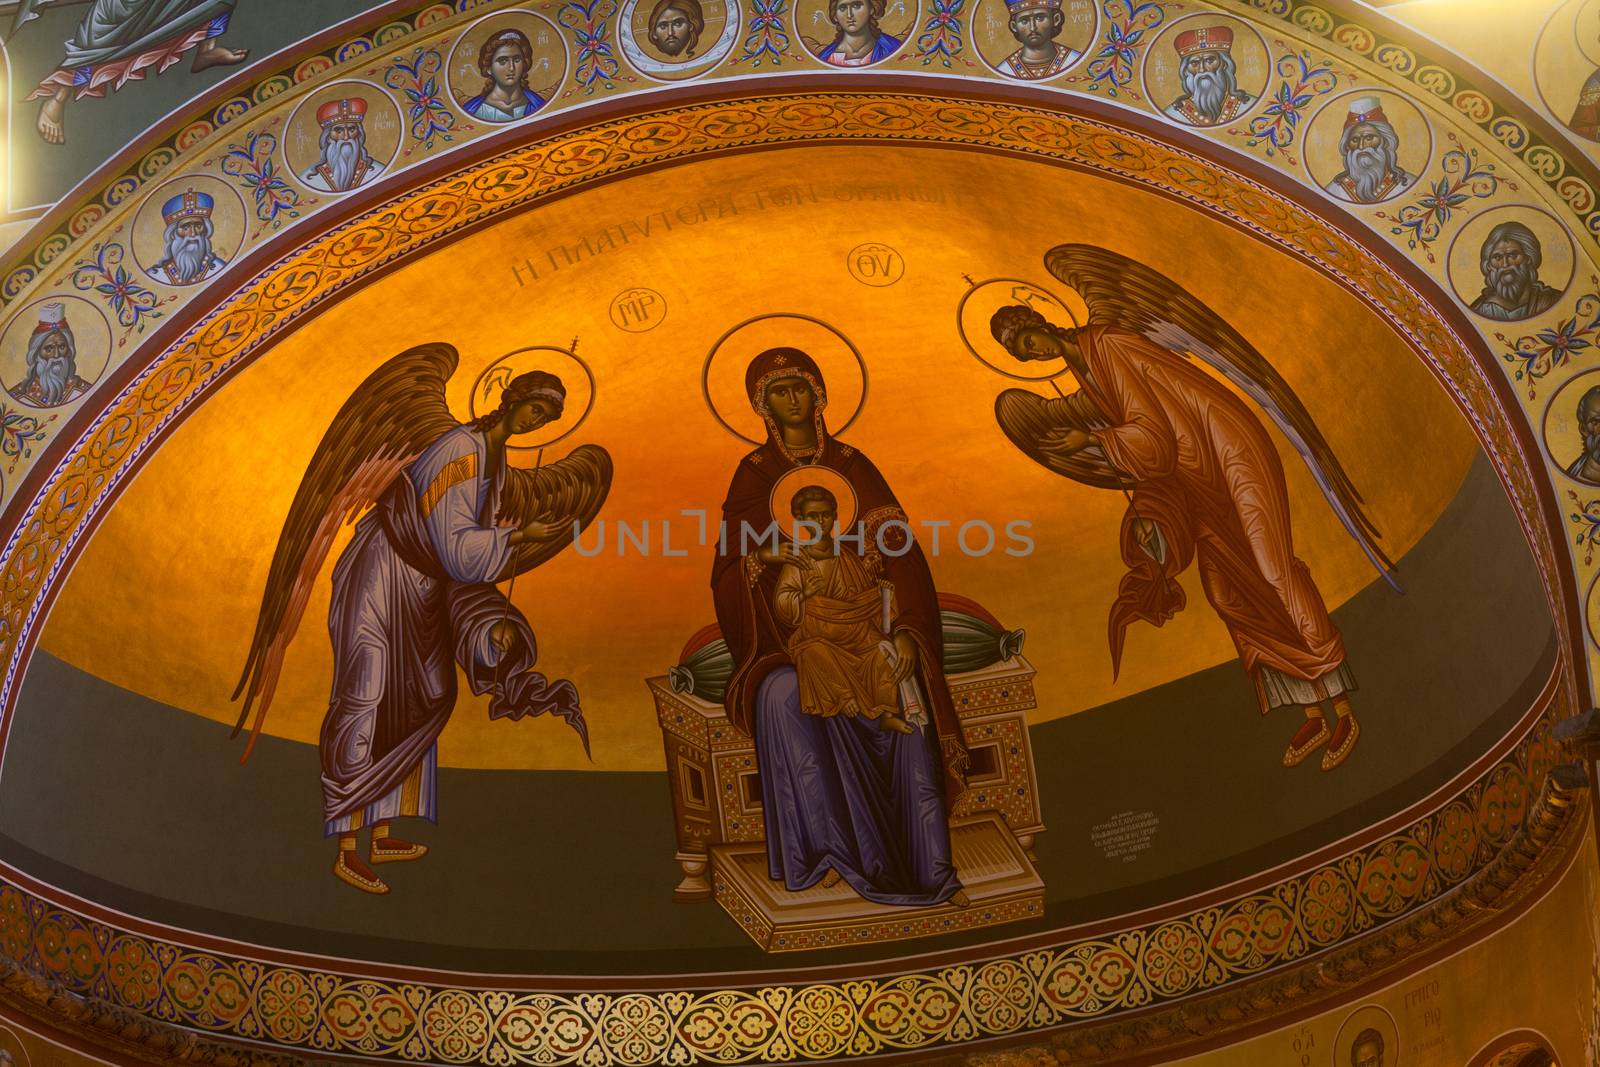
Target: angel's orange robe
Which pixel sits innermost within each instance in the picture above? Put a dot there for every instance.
(1208, 475)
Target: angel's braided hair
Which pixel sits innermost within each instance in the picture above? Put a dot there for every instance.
(1012, 319)
(522, 388)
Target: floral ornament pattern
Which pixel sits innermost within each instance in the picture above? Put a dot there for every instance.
(19, 432)
(1127, 22)
(274, 199)
(1302, 83)
(941, 35)
(426, 113)
(1587, 519)
(1463, 181)
(1537, 355)
(768, 38)
(591, 27)
(131, 302)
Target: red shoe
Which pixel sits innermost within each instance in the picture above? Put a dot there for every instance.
(1313, 733)
(1345, 732)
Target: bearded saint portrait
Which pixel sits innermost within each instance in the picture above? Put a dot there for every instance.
(52, 376)
(1211, 94)
(414, 594)
(1510, 261)
(1586, 468)
(676, 26)
(1036, 24)
(120, 41)
(345, 164)
(188, 256)
(504, 61)
(1204, 482)
(1370, 147)
(845, 799)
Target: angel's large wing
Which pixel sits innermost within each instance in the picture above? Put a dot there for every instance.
(391, 417)
(568, 492)
(1027, 418)
(1123, 292)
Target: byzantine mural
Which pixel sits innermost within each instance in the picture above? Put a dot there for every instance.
(948, 521)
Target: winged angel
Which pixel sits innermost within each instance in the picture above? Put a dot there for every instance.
(1203, 479)
(414, 591)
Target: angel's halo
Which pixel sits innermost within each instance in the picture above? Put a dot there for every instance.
(844, 372)
(564, 364)
(979, 304)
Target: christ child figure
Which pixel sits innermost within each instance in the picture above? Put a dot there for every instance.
(834, 603)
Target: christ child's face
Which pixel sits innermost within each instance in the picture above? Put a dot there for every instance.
(1203, 63)
(816, 516)
(791, 402)
(854, 17)
(1037, 28)
(507, 67)
(672, 32)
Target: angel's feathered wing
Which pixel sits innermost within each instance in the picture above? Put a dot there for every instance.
(388, 421)
(569, 491)
(1126, 293)
(1027, 418)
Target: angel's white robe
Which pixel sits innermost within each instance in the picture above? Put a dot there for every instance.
(413, 596)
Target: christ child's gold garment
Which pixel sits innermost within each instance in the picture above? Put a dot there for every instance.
(836, 644)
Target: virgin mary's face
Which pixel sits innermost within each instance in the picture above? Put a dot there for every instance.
(791, 402)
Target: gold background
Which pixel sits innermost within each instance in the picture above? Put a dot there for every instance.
(301, 140)
(1555, 249)
(227, 218)
(91, 334)
(188, 545)
(1163, 78)
(1324, 137)
(466, 81)
(991, 30)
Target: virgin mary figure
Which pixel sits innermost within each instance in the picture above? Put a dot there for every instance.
(843, 798)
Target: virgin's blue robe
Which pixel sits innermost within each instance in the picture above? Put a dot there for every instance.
(839, 792)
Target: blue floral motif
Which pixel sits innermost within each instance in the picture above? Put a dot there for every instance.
(1537, 355)
(104, 274)
(1127, 22)
(768, 38)
(252, 163)
(1280, 119)
(426, 113)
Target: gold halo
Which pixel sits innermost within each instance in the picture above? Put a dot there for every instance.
(797, 478)
(844, 372)
(974, 312)
(496, 376)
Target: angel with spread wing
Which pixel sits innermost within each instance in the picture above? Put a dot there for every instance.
(414, 592)
(1204, 482)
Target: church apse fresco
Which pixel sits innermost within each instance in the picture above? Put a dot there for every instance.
(1088, 794)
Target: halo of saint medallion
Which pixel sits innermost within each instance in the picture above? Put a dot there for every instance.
(507, 66)
(188, 230)
(670, 40)
(1367, 146)
(1207, 70)
(342, 137)
(854, 33)
(1034, 40)
(54, 351)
